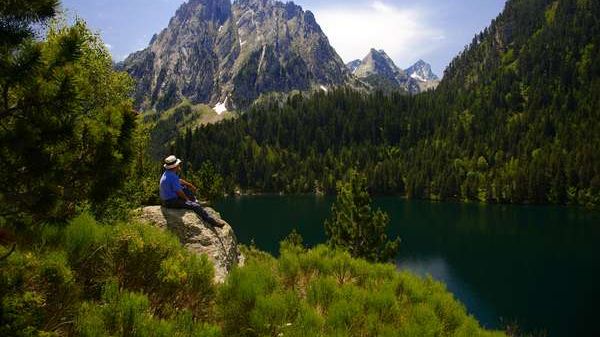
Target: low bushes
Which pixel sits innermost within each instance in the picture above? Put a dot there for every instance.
(324, 292)
(84, 278)
(73, 277)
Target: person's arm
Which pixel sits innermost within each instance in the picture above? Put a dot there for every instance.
(176, 186)
(188, 184)
(182, 195)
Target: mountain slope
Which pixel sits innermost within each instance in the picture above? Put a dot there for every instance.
(224, 54)
(526, 95)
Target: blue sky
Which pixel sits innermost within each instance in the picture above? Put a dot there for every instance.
(432, 30)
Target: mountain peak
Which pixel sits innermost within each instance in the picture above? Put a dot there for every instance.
(379, 71)
(254, 2)
(380, 52)
(216, 52)
(421, 71)
(202, 9)
(353, 65)
(377, 61)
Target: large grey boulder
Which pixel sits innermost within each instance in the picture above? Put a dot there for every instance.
(219, 244)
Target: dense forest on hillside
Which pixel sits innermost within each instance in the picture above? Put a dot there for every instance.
(515, 119)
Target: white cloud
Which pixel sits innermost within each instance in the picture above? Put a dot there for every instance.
(405, 33)
(108, 46)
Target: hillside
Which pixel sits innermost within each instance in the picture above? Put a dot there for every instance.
(515, 119)
(164, 127)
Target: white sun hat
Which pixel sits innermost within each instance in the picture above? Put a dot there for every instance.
(171, 162)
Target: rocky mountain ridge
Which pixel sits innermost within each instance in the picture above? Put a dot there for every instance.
(421, 71)
(227, 54)
(379, 71)
(353, 65)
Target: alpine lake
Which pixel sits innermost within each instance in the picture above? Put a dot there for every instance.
(537, 267)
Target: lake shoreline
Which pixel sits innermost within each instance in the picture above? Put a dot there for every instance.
(240, 193)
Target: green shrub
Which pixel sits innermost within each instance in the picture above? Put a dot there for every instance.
(186, 281)
(90, 279)
(152, 261)
(47, 235)
(138, 252)
(238, 296)
(124, 313)
(325, 292)
(140, 258)
(422, 321)
(308, 322)
(82, 235)
(273, 313)
(87, 245)
(451, 312)
(321, 293)
(344, 315)
(383, 305)
(37, 294)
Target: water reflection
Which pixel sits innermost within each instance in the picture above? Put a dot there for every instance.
(439, 269)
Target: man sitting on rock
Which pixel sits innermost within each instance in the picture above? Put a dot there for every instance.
(177, 193)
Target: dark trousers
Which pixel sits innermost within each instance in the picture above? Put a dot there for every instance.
(192, 205)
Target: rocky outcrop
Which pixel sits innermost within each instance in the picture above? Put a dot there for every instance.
(227, 55)
(219, 244)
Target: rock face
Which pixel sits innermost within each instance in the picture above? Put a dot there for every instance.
(353, 65)
(378, 70)
(219, 244)
(421, 71)
(226, 55)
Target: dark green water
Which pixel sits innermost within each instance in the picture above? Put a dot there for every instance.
(535, 265)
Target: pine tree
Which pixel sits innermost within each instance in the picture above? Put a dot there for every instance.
(354, 226)
(66, 116)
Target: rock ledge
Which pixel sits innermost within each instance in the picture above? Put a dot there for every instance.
(219, 244)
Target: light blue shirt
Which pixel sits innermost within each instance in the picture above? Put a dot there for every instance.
(169, 185)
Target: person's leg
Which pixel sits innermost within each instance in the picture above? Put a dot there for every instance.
(198, 209)
(175, 203)
(189, 194)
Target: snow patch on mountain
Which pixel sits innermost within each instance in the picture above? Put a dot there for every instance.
(417, 77)
(220, 108)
